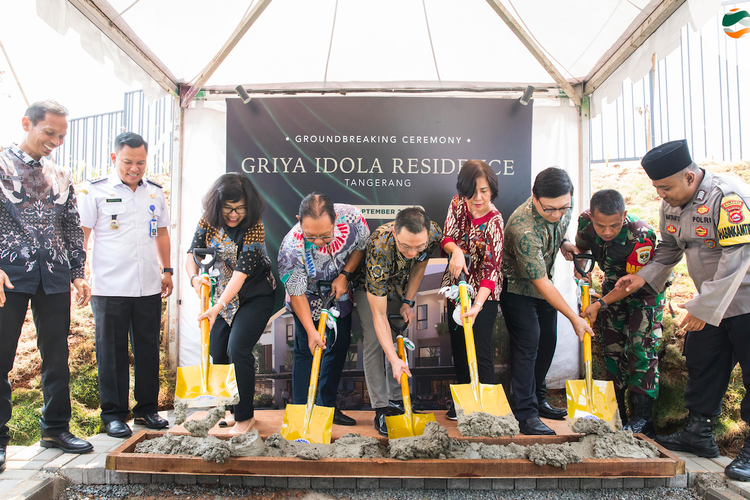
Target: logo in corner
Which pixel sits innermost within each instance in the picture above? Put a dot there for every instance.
(671, 229)
(701, 231)
(703, 209)
(733, 209)
(736, 23)
(710, 243)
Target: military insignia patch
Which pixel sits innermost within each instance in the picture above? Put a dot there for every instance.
(703, 209)
(701, 194)
(640, 256)
(701, 231)
(671, 229)
(734, 221)
(710, 243)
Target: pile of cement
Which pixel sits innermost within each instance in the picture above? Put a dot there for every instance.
(602, 442)
(478, 424)
(590, 425)
(348, 446)
(210, 449)
(433, 443)
(180, 412)
(200, 428)
(556, 455)
(473, 451)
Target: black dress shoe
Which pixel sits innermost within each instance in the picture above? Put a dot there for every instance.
(340, 419)
(67, 442)
(451, 413)
(534, 427)
(396, 406)
(152, 421)
(117, 429)
(2, 457)
(548, 411)
(380, 424)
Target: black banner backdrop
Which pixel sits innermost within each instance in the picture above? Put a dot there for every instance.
(378, 153)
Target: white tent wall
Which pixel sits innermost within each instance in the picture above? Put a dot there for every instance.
(554, 142)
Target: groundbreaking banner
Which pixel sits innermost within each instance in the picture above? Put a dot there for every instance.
(380, 154)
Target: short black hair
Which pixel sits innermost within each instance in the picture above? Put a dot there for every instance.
(607, 202)
(315, 205)
(232, 187)
(131, 140)
(468, 175)
(552, 182)
(38, 110)
(413, 219)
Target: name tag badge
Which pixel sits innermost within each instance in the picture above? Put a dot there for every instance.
(153, 229)
(114, 200)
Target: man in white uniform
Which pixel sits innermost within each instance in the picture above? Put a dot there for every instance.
(129, 218)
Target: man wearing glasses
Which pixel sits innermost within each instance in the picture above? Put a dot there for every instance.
(529, 300)
(395, 262)
(327, 243)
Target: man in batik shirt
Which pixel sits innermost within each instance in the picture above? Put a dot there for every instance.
(327, 243)
(630, 324)
(395, 262)
(41, 251)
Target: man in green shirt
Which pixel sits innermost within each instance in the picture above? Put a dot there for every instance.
(529, 299)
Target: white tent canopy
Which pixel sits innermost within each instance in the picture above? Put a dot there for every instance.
(389, 44)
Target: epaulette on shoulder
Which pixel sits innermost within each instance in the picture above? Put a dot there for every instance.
(97, 179)
(154, 184)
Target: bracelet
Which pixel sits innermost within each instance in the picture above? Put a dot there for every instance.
(223, 304)
(192, 278)
(480, 304)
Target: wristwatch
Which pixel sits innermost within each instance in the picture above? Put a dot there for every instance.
(410, 303)
(603, 304)
(347, 274)
(168, 270)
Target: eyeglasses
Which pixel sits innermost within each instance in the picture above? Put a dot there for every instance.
(407, 248)
(237, 210)
(552, 210)
(312, 239)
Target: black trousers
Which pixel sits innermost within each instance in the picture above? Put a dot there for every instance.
(51, 315)
(235, 345)
(532, 327)
(710, 355)
(115, 320)
(483, 326)
(331, 365)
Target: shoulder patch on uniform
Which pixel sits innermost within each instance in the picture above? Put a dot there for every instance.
(97, 179)
(640, 256)
(734, 221)
(154, 184)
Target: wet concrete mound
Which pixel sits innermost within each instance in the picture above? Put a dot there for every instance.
(478, 424)
(433, 443)
(210, 448)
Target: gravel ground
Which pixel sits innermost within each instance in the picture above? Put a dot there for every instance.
(173, 492)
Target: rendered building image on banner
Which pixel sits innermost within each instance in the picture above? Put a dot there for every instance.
(378, 153)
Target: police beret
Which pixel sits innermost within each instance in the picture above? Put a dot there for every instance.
(667, 159)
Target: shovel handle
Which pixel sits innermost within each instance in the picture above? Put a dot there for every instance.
(199, 254)
(312, 390)
(205, 327)
(405, 394)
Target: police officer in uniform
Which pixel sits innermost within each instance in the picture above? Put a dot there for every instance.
(129, 219)
(705, 217)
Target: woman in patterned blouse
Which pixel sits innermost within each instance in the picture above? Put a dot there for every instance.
(245, 288)
(474, 226)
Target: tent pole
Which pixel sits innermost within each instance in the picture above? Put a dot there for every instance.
(584, 144)
(177, 257)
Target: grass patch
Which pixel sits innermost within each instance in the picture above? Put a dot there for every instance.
(24, 423)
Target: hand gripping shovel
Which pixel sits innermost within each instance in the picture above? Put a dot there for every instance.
(309, 423)
(589, 398)
(206, 384)
(487, 398)
(409, 424)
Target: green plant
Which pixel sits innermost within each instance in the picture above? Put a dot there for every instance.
(263, 400)
(23, 426)
(84, 386)
(442, 328)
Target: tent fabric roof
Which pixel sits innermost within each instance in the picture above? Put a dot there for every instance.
(297, 44)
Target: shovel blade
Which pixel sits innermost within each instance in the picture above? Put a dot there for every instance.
(221, 388)
(602, 404)
(491, 399)
(400, 426)
(319, 429)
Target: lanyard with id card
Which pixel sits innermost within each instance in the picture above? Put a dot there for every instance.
(153, 229)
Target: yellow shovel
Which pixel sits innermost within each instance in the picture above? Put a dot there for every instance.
(309, 423)
(206, 384)
(487, 398)
(590, 398)
(409, 424)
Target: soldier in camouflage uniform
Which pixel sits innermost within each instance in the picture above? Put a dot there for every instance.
(630, 328)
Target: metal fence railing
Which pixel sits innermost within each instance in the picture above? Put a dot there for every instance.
(86, 150)
(700, 94)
